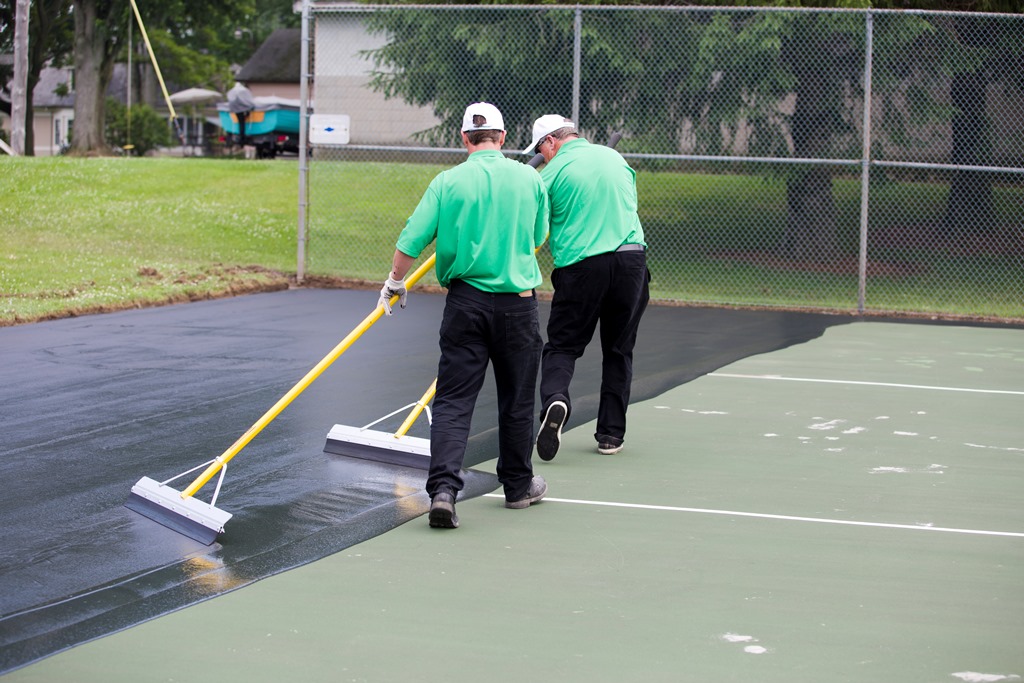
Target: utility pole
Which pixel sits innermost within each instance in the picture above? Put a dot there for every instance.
(19, 88)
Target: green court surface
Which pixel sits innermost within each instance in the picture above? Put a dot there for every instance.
(848, 509)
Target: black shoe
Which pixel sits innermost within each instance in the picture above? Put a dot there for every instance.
(549, 438)
(442, 512)
(538, 488)
(608, 448)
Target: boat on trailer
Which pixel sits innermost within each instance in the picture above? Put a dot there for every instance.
(271, 126)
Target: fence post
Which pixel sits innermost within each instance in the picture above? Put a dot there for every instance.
(576, 51)
(304, 76)
(865, 164)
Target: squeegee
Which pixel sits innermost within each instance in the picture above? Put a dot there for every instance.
(202, 521)
(394, 449)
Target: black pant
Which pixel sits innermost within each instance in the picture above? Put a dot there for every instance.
(479, 327)
(613, 289)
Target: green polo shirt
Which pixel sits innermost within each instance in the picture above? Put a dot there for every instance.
(488, 215)
(593, 202)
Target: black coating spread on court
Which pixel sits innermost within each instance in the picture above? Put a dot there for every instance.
(92, 404)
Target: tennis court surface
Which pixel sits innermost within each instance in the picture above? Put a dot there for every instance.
(843, 509)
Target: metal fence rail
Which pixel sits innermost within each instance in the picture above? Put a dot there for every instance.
(850, 160)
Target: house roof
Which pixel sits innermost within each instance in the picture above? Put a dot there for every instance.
(50, 79)
(278, 59)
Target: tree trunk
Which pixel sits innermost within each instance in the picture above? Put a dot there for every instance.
(970, 206)
(811, 230)
(21, 94)
(37, 60)
(30, 116)
(93, 67)
(810, 217)
(46, 22)
(150, 88)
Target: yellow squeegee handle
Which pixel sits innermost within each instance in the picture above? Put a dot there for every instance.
(428, 396)
(342, 346)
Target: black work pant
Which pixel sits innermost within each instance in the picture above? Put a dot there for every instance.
(477, 328)
(612, 289)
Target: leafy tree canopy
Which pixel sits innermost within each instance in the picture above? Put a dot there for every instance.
(770, 83)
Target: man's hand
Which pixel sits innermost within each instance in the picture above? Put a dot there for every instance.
(391, 289)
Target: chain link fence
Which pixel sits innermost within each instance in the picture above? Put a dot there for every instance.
(847, 160)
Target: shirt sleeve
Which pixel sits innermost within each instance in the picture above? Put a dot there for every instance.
(543, 224)
(421, 227)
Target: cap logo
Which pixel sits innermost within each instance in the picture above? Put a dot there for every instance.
(482, 116)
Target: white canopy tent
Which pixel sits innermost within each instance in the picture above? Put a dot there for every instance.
(196, 100)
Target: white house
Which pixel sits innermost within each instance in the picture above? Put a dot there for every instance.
(53, 107)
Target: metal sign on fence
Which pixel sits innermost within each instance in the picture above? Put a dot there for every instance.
(328, 129)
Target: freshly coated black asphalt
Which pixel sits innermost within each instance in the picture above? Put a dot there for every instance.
(92, 404)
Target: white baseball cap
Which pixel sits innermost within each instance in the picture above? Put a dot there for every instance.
(546, 125)
(491, 115)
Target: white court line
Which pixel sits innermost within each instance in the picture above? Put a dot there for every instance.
(870, 384)
(761, 515)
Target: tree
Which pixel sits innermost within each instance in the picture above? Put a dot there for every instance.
(195, 41)
(50, 29)
(192, 38)
(99, 37)
(775, 84)
(659, 75)
(994, 54)
(240, 40)
(949, 73)
(790, 81)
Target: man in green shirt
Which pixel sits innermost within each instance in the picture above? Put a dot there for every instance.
(488, 216)
(600, 275)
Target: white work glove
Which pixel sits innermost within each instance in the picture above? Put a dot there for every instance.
(390, 289)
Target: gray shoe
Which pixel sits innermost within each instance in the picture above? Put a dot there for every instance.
(442, 512)
(549, 438)
(538, 489)
(608, 448)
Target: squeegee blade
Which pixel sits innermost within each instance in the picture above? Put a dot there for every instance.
(162, 504)
(369, 444)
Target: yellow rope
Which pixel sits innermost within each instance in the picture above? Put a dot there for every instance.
(152, 57)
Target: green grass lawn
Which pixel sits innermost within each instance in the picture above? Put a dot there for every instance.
(89, 235)
(713, 239)
(84, 235)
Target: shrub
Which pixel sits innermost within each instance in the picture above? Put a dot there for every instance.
(149, 130)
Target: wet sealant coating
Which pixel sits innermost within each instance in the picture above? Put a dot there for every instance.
(92, 404)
